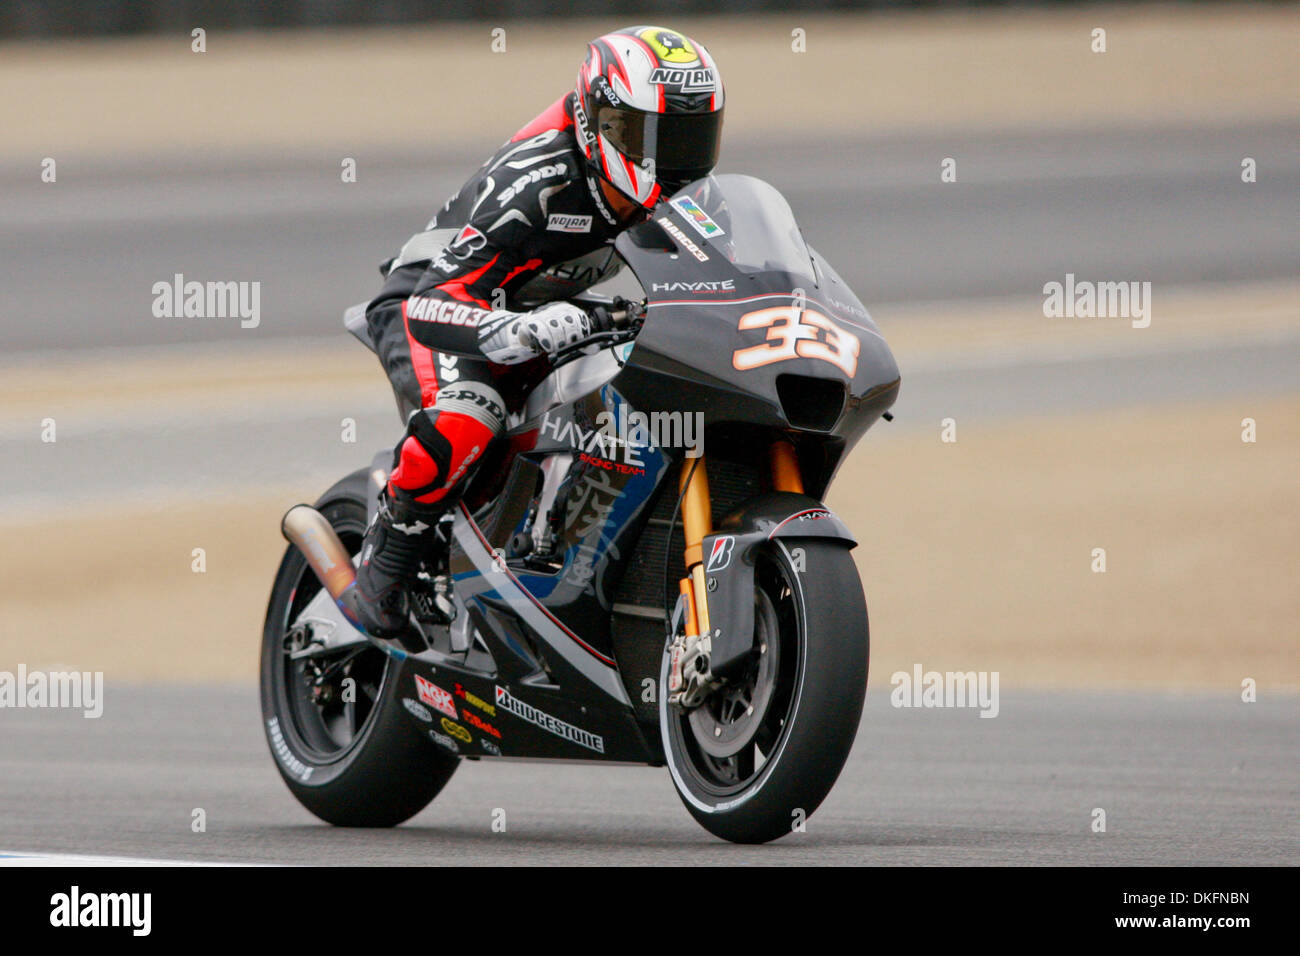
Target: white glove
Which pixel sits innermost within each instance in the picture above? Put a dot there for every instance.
(509, 338)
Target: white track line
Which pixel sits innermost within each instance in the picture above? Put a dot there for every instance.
(20, 858)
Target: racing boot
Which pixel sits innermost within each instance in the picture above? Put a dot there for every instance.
(390, 559)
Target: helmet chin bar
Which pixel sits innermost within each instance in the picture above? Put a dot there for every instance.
(608, 153)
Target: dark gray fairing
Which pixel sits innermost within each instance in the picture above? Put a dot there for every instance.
(685, 357)
(778, 519)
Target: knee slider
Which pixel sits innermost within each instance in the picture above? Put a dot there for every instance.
(445, 440)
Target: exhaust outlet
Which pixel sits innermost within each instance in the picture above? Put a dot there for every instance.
(306, 529)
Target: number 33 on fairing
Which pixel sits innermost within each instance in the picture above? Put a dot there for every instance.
(796, 333)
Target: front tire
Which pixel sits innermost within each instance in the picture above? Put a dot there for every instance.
(361, 763)
(757, 758)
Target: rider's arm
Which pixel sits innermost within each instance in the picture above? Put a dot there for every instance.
(449, 289)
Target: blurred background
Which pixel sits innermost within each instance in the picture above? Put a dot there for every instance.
(129, 155)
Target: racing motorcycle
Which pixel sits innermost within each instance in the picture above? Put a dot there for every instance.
(643, 571)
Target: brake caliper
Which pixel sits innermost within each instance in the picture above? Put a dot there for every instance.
(690, 680)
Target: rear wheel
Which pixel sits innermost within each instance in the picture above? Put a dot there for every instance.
(760, 754)
(342, 743)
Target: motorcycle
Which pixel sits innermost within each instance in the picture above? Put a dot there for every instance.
(642, 570)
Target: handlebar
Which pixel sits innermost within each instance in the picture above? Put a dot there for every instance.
(622, 314)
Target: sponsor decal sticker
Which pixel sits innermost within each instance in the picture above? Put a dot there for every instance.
(594, 442)
(417, 710)
(443, 740)
(683, 240)
(456, 730)
(723, 285)
(608, 465)
(473, 699)
(699, 220)
(473, 395)
(435, 696)
(583, 126)
(564, 222)
(602, 86)
(468, 241)
(489, 747)
(554, 725)
(549, 171)
(598, 199)
(698, 80)
(720, 555)
(811, 514)
(483, 726)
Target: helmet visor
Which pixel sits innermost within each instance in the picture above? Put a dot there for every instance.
(683, 146)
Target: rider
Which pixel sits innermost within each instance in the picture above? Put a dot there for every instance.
(469, 303)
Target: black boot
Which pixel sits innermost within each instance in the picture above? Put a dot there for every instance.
(390, 558)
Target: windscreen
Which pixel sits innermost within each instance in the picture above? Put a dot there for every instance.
(745, 221)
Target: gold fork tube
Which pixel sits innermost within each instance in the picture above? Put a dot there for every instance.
(786, 475)
(697, 513)
(697, 521)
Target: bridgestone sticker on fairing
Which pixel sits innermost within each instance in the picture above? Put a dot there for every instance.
(720, 556)
(548, 723)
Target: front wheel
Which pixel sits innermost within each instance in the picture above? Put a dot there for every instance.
(759, 755)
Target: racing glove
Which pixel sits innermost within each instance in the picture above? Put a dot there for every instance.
(509, 338)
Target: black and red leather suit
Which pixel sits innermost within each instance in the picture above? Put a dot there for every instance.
(530, 227)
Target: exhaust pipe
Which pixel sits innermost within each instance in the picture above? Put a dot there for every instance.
(307, 530)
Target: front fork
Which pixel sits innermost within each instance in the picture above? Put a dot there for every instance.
(690, 677)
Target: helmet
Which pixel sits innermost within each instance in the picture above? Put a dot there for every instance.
(648, 111)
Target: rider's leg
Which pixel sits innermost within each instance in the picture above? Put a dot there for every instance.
(431, 467)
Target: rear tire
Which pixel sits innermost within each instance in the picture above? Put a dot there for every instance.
(367, 766)
(803, 724)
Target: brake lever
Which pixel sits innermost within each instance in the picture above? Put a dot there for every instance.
(602, 339)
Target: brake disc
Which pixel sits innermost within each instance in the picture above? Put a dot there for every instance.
(730, 717)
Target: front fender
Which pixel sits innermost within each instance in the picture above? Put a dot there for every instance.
(729, 559)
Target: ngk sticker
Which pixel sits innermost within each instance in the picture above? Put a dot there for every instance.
(435, 696)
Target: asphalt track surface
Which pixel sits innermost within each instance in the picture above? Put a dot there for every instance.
(1183, 780)
(1161, 205)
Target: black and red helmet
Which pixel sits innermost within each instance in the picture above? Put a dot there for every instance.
(649, 111)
